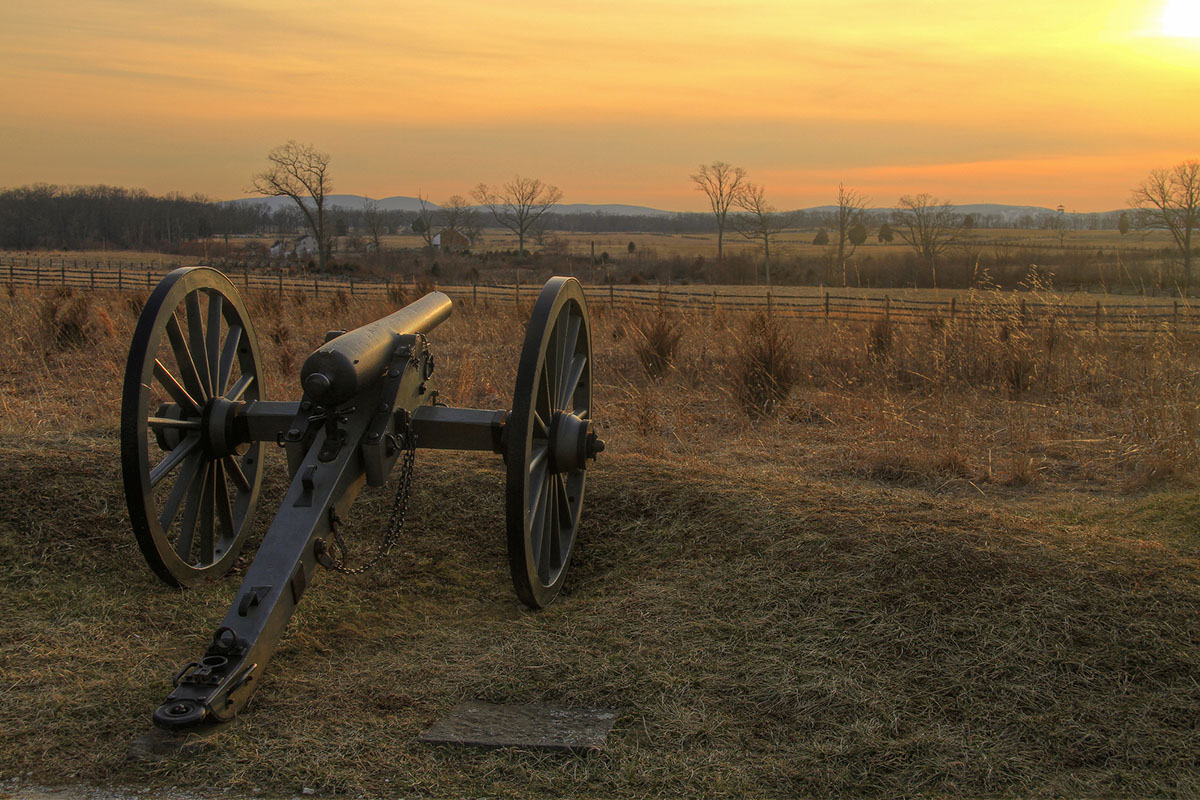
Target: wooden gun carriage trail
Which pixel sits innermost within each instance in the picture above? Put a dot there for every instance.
(195, 421)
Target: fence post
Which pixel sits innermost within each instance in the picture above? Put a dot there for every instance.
(1097, 315)
(474, 294)
(952, 308)
(518, 291)
(246, 278)
(316, 288)
(827, 306)
(148, 282)
(37, 276)
(280, 284)
(352, 287)
(611, 298)
(1175, 312)
(768, 302)
(120, 279)
(92, 275)
(62, 272)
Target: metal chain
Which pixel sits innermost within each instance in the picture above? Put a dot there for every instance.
(399, 504)
(395, 522)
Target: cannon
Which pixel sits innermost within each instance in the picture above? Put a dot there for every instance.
(196, 423)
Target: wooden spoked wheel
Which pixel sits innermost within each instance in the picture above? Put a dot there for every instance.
(548, 442)
(190, 484)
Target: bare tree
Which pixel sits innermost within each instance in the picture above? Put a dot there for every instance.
(426, 220)
(376, 227)
(459, 216)
(759, 221)
(928, 225)
(301, 172)
(472, 226)
(518, 204)
(1057, 222)
(722, 183)
(850, 213)
(1170, 200)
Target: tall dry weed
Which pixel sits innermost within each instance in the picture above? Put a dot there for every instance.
(764, 364)
(656, 337)
(72, 320)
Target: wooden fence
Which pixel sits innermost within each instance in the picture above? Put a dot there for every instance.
(1115, 313)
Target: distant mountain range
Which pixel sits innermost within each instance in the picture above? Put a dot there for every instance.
(354, 202)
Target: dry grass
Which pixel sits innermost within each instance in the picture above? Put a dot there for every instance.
(656, 336)
(961, 565)
(764, 368)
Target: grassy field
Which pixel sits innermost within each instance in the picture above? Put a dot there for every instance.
(951, 560)
(1145, 262)
(652, 246)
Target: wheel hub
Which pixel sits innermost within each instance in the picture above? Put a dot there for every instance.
(572, 442)
(216, 427)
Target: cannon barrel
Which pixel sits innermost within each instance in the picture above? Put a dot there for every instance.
(341, 368)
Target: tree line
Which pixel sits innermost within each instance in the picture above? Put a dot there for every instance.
(87, 217)
(1169, 199)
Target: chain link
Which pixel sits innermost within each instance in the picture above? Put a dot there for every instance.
(399, 505)
(395, 523)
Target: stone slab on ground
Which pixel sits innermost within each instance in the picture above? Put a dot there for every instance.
(473, 723)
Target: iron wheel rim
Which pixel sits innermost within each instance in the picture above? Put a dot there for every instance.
(191, 510)
(554, 377)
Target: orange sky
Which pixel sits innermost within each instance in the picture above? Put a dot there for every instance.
(618, 101)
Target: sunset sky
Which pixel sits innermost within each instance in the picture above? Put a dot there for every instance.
(617, 101)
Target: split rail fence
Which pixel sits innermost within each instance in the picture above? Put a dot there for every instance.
(1113, 313)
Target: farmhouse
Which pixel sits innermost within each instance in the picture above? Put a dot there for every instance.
(306, 246)
(451, 240)
(301, 246)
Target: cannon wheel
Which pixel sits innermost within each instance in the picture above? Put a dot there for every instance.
(190, 488)
(550, 419)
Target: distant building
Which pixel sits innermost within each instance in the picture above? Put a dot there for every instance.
(451, 240)
(306, 246)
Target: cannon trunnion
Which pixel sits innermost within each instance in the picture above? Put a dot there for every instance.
(195, 422)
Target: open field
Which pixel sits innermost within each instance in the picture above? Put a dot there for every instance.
(1144, 262)
(650, 246)
(947, 560)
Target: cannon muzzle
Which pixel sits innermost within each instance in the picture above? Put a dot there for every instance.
(341, 368)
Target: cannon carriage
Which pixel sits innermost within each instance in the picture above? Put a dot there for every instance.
(196, 422)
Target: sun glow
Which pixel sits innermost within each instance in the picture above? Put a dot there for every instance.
(1181, 18)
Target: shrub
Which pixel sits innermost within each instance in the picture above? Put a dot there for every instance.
(135, 302)
(339, 303)
(397, 295)
(656, 338)
(73, 321)
(764, 368)
(879, 342)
